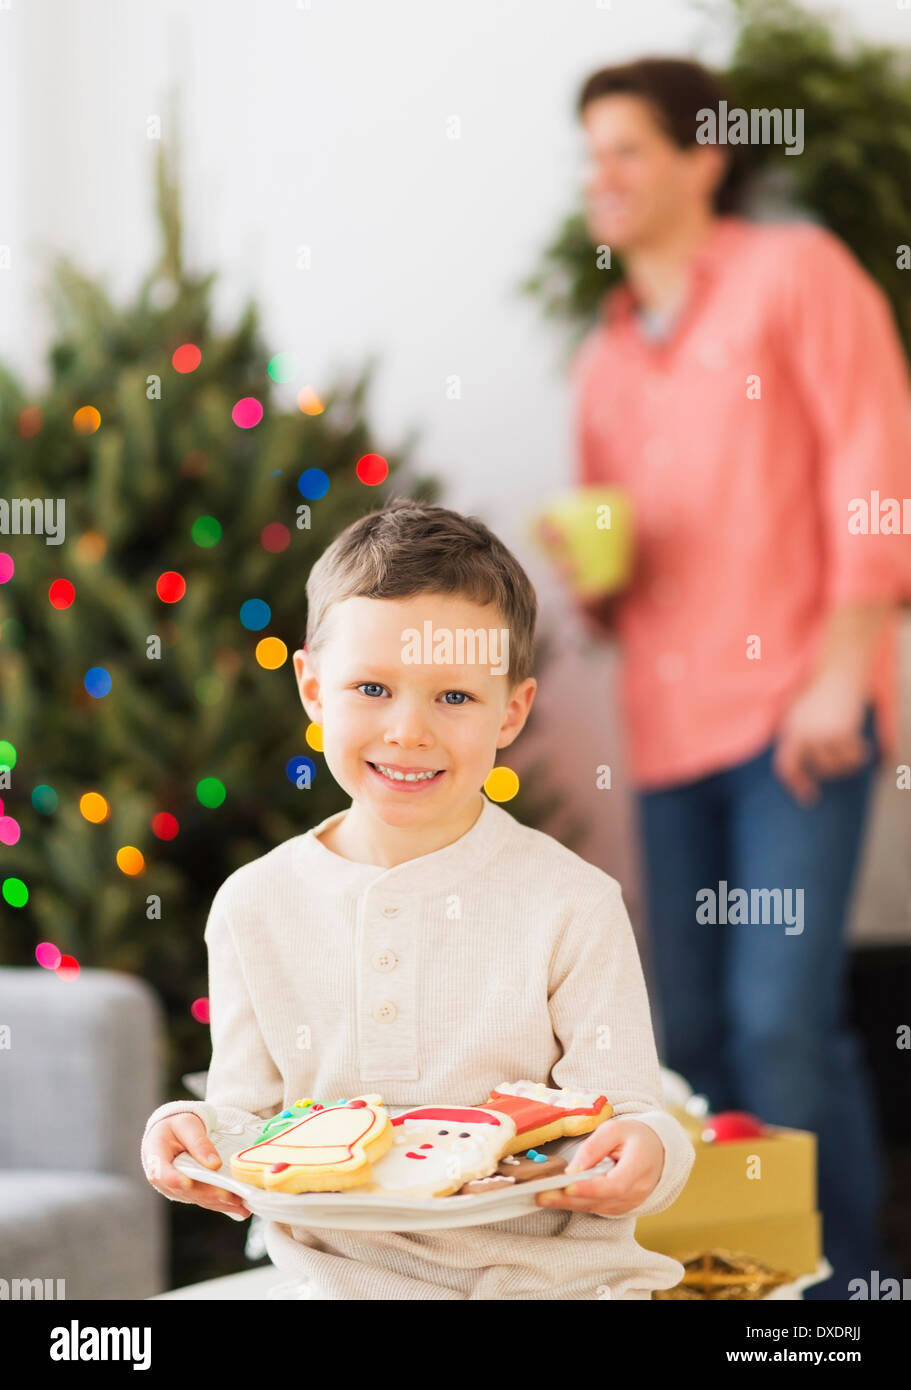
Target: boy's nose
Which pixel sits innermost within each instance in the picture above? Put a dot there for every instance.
(407, 725)
(408, 731)
(408, 738)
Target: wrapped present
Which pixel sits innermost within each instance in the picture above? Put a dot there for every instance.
(791, 1241)
(756, 1195)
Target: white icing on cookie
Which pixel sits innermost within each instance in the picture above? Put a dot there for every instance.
(436, 1149)
(565, 1099)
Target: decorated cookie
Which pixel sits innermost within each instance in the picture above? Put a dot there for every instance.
(516, 1168)
(527, 1167)
(541, 1113)
(480, 1185)
(290, 1116)
(331, 1149)
(437, 1148)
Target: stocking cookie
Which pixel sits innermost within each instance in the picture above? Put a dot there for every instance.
(541, 1113)
(437, 1148)
(331, 1149)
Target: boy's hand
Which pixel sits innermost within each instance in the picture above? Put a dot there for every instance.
(638, 1156)
(186, 1134)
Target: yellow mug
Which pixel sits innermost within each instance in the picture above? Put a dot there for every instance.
(588, 533)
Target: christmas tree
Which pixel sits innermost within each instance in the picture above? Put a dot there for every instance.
(151, 739)
(147, 708)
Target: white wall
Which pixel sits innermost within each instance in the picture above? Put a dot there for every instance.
(15, 241)
(326, 125)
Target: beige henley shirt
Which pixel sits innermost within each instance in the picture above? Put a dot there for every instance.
(500, 957)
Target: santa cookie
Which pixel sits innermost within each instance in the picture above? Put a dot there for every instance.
(437, 1148)
(541, 1113)
(331, 1149)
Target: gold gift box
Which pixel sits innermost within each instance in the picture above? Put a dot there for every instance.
(755, 1195)
(792, 1241)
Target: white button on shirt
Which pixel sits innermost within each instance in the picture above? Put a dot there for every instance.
(387, 1019)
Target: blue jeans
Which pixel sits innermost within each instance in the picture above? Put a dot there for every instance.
(753, 1014)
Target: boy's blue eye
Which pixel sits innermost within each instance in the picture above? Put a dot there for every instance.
(374, 687)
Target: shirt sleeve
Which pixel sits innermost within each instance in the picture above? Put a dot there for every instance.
(244, 1086)
(842, 345)
(600, 1014)
(244, 1083)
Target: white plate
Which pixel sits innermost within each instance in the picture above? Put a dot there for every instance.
(375, 1211)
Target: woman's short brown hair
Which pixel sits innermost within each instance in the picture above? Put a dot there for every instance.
(677, 90)
(410, 547)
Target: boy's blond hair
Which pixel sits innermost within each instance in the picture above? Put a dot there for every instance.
(410, 547)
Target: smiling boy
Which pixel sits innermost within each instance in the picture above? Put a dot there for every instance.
(426, 945)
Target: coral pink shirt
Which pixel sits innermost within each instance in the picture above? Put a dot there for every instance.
(780, 395)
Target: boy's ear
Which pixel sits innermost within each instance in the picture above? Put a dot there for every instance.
(307, 685)
(517, 710)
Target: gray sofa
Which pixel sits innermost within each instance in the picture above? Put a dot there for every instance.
(78, 1079)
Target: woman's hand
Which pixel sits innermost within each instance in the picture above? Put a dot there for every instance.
(598, 615)
(820, 735)
(186, 1133)
(638, 1155)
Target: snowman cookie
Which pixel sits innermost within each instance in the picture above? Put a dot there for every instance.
(330, 1150)
(438, 1148)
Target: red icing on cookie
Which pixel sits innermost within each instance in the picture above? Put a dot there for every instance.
(356, 1104)
(456, 1116)
(409, 1154)
(279, 1167)
(533, 1114)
